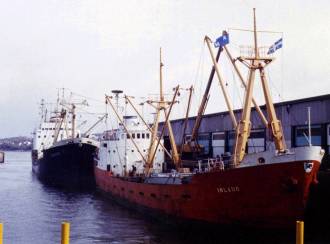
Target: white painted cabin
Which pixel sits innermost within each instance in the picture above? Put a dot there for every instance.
(117, 153)
(44, 135)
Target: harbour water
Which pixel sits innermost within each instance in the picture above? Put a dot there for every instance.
(32, 214)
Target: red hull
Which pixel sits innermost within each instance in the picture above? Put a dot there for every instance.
(273, 195)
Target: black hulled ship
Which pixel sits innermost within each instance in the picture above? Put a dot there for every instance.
(61, 155)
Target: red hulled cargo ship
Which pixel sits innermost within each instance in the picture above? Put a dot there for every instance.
(270, 195)
(262, 189)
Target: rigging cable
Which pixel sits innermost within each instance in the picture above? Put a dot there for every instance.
(198, 74)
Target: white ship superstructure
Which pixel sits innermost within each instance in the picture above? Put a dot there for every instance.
(120, 156)
(49, 132)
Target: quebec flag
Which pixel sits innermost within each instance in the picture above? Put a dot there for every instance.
(275, 46)
(222, 40)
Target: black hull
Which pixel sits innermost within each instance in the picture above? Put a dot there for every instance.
(70, 166)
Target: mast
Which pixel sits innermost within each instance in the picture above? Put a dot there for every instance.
(116, 94)
(153, 142)
(58, 125)
(175, 154)
(161, 105)
(262, 116)
(165, 125)
(145, 123)
(73, 122)
(244, 127)
(42, 108)
(154, 138)
(161, 76)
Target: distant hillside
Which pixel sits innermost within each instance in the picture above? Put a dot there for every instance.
(20, 143)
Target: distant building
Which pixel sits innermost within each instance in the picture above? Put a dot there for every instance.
(19, 143)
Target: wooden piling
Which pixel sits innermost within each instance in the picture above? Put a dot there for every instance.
(1, 233)
(65, 233)
(300, 232)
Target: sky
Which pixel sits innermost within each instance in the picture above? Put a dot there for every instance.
(91, 47)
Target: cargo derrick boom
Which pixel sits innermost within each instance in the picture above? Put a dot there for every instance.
(191, 145)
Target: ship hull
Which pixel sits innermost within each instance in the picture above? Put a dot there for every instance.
(268, 196)
(68, 165)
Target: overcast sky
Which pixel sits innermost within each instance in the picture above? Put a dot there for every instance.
(95, 46)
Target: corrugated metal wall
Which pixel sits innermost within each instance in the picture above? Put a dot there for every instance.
(291, 113)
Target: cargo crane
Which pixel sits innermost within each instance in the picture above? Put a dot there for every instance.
(190, 147)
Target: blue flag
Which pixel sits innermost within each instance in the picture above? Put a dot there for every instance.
(275, 46)
(222, 40)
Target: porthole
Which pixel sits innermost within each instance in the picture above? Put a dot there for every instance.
(261, 160)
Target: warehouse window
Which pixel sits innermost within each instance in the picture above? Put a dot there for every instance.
(256, 141)
(203, 139)
(219, 136)
(218, 143)
(231, 141)
(302, 137)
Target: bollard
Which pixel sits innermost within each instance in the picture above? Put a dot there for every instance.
(300, 232)
(65, 233)
(1, 233)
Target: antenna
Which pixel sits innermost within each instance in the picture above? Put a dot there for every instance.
(116, 93)
(309, 127)
(256, 53)
(42, 108)
(161, 76)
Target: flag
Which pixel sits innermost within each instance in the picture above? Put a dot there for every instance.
(275, 46)
(222, 40)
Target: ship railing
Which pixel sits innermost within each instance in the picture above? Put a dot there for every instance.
(209, 165)
(247, 51)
